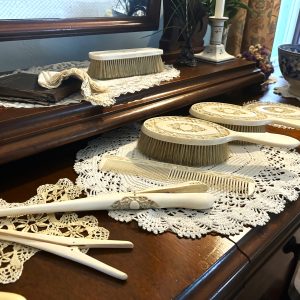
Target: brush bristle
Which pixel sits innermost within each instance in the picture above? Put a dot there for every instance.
(188, 155)
(244, 128)
(118, 68)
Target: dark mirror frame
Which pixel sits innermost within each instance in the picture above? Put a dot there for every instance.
(46, 28)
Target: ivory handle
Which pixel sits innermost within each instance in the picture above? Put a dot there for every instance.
(287, 122)
(115, 201)
(266, 138)
(70, 253)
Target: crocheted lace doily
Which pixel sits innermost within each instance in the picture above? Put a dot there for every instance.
(276, 172)
(111, 88)
(13, 255)
(284, 92)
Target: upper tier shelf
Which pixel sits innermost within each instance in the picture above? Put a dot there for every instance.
(25, 132)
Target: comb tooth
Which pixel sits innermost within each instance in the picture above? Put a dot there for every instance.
(165, 171)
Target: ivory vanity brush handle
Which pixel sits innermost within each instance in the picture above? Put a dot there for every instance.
(265, 138)
(70, 253)
(287, 122)
(67, 241)
(113, 201)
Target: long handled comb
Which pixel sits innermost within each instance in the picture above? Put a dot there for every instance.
(165, 171)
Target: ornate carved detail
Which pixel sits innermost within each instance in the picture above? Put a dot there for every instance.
(279, 110)
(185, 127)
(134, 202)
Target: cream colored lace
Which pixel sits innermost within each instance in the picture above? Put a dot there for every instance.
(284, 92)
(13, 255)
(275, 170)
(97, 92)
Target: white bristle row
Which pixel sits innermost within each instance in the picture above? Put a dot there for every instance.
(216, 181)
(188, 155)
(118, 68)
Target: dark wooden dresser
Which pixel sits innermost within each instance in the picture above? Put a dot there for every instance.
(38, 146)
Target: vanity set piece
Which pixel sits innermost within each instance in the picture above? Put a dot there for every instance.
(180, 182)
(232, 257)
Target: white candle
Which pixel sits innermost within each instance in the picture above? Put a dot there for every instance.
(219, 9)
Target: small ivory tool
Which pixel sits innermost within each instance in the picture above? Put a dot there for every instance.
(64, 247)
(154, 198)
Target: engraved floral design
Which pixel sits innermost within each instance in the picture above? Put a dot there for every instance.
(226, 109)
(187, 127)
(279, 110)
(198, 129)
(134, 202)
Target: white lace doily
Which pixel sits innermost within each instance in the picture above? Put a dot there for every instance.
(114, 87)
(284, 92)
(276, 172)
(13, 255)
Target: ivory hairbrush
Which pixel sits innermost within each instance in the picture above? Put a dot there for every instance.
(279, 113)
(112, 64)
(194, 142)
(250, 118)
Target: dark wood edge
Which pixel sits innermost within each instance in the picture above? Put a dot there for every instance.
(44, 28)
(221, 281)
(90, 123)
(261, 243)
(230, 274)
(17, 127)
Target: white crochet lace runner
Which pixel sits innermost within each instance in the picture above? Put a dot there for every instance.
(284, 92)
(13, 255)
(113, 88)
(276, 172)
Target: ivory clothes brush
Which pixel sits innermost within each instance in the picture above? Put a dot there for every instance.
(125, 62)
(279, 113)
(191, 198)
(194, 142)
(220, 181)
(250, 118)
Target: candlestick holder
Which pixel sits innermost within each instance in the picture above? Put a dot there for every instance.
(215, 51)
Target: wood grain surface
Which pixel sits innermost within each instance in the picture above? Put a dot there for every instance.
(251, 265)
(25, 132)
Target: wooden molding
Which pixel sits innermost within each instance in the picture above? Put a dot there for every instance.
(28, 131)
